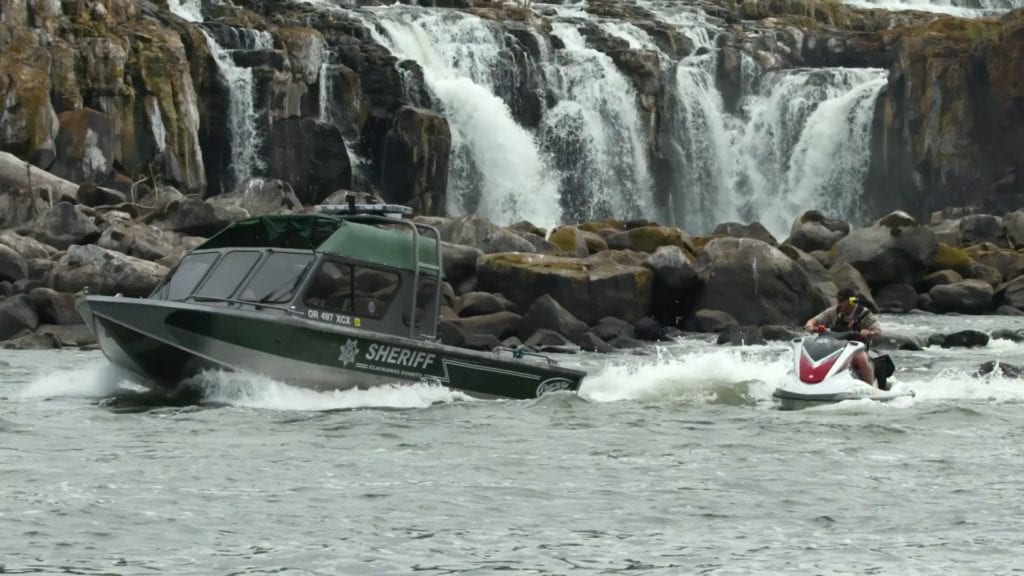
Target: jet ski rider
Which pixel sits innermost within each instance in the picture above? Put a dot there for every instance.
(848, 315)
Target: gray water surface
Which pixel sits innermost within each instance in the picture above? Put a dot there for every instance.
(676, 462)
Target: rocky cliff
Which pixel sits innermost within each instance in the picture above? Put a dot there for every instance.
(690, 113)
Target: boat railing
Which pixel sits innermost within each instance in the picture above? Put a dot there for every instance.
(282, 307)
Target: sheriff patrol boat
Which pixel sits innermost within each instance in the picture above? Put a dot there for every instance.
(345, 297)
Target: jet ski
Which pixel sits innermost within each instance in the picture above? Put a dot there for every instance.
(824, 373)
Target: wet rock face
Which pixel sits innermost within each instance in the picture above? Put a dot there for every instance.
(951, 117)
(310, 156)
(411, 151)
(755, 283)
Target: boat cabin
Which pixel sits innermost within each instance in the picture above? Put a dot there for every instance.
(352, 269)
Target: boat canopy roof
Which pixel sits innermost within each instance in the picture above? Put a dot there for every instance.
(387, 246)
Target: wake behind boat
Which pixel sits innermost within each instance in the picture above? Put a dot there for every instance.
(345, 298)
(822, 374)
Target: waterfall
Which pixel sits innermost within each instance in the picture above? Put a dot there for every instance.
(594, 134)
(807, 143)
(242, 118)
(497, 168)
(325, 95)
(191, 10)
(962, 8)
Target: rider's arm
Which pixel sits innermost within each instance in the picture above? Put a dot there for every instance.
(826, 317)
(871, 324)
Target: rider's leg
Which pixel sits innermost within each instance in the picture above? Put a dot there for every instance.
(864, 368)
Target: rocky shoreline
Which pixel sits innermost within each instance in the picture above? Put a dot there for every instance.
(595, 286)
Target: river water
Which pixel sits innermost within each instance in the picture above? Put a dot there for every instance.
(674, 462)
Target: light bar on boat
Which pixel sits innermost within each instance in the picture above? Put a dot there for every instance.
(390, 210)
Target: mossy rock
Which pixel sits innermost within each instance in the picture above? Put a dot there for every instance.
(699, 242)
(594, 242)
(650, 238)
(949, 258)
(602, 225)
(537, 262)
(568, 239)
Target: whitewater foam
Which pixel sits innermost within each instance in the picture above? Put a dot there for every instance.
(97, 379)
(251, 391)
(717, 376)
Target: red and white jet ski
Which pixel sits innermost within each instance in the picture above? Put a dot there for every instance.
(824, 373)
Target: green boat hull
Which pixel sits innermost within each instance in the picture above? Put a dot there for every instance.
(169, 342)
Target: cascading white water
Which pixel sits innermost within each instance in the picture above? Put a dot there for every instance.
(242, 120)
(828, 166)
(962, 8)
(596, 118)
(191, 10)
(497, 168)
(801, 139)
(807, 143)
(325, 94)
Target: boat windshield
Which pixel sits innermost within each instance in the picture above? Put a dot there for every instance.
(186, 277)
(277, 279)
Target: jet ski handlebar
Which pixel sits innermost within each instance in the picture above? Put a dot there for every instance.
(837, 334)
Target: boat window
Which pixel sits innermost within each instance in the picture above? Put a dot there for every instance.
(277, 279)
(425, 298)
(229, 273)
(355, 290)
(186, 276)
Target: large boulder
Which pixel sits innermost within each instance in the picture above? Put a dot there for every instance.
(1014, 225)
(966, 297)
(310, 156)
(816, 272)
(894, 250)
(649, 238)
(20, 206)
(547, 313)
(480, 303)
(139, 240)
(1011, 293)
(25, 246)
(55, 307)
(813, 231)
(479, 233)
(754, 230)
(755, 283)
(200, 218)
(1009, 263)
(589, 288)
(259, 196)
(104, 271)
(12, 266)
(676, 283)
(978, 228)
(846, 276)
(459, 261)
(17, 316)
(62, 226)
(896, 298)
(938, 278)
